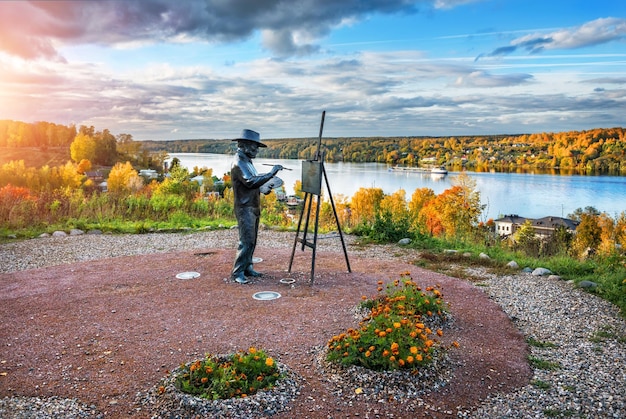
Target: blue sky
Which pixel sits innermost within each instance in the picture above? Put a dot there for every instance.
(163, 69)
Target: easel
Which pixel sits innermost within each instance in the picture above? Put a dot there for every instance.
(312, 173)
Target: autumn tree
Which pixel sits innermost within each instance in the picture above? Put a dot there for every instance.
(123, 179)
(84, 166)
(420, 197)
(588, 235)
(83, 147)
(364, 205)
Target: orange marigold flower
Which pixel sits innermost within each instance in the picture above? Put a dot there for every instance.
(389, 330)
(252, 350)
(269, 362)
(428, 343)
(204, 380)
(429, 313)
(394, 346)
(382, 334)
(379, 289)
(367, 354)
(439, 332)
(345, 354)
(410, 359)
(401, 362)
(371, 348)
(363, 298)
(455, 344)
(397, 325)
(392, 358)
(418, 357)
(413, 349)
(413, 334)
(385, 353)
(380, 282)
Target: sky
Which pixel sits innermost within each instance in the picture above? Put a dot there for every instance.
(174, 69)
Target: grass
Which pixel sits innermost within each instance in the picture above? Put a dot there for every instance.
(542, 364)
(540, 384)
(608, 272)
(540, 344)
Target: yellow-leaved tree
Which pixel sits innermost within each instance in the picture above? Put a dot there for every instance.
(364, 205)
(83, 147)
(123, 179)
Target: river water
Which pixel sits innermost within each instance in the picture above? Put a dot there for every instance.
(525, 194)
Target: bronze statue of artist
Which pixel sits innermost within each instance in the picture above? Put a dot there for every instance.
(246, 183)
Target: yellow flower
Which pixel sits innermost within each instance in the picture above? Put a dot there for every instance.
(252, 350)
(397, 325)
(269, 362)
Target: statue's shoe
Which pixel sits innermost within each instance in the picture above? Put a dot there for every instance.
(240, 279)
(253, 273)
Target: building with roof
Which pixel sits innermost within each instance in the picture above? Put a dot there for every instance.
(544, 227)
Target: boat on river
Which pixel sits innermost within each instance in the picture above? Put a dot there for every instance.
(427, 170)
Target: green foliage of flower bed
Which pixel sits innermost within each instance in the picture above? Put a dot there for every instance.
(395, 334)
(238, 375)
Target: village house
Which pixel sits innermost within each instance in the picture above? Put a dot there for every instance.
(544, 227)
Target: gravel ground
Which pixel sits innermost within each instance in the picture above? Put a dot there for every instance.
(579, 338)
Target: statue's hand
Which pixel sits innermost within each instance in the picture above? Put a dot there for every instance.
(277, 168)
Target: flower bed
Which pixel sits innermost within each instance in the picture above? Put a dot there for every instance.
(168, 398)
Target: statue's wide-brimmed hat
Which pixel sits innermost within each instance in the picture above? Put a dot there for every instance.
(252, 136)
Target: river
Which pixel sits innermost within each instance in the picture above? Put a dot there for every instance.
(528, 195)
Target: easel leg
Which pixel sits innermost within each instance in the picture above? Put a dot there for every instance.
(295, 242)
(332, 203)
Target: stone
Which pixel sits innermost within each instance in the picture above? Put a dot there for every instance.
(554, 277)
(44, 235)
(587, 284)
(527, 270)
(404, 241)
(450, 252)
(483, 256)
(95, 232)
(512, 264)
(467, 255)
(541, 272)
(59, 233)
(76, 232)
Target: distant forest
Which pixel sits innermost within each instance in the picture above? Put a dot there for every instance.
(601, 150)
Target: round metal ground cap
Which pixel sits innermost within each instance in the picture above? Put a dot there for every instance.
(266, 295)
